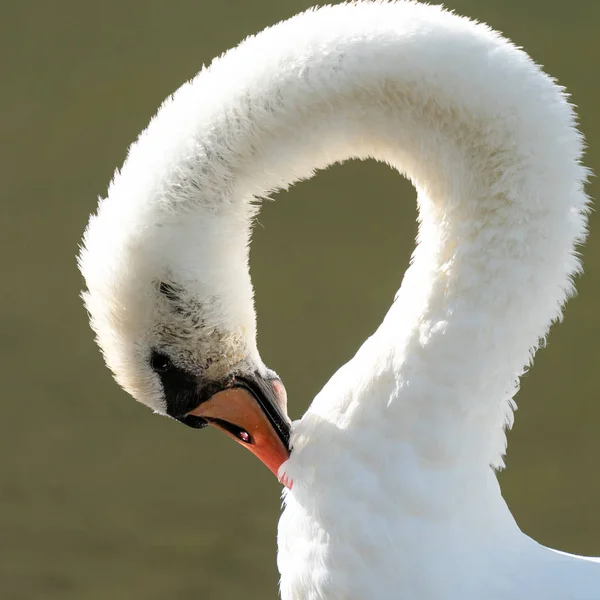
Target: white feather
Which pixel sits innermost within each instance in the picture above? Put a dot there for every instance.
(394, 493)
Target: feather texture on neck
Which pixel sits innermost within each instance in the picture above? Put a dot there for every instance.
(490, 144)
(487, 139)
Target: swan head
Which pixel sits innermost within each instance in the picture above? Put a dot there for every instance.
(171, 303)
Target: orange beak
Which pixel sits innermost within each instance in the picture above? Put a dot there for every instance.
(253, 413)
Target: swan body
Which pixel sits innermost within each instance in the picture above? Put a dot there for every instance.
(394, 491)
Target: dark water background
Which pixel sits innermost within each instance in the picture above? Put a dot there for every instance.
(99, 498)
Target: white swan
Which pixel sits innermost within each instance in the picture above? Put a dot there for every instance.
(394, 493)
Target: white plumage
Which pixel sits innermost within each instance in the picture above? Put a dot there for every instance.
(394, 493)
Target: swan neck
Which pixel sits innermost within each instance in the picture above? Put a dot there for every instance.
(492, 152)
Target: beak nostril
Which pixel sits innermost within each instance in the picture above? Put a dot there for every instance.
(241, 434)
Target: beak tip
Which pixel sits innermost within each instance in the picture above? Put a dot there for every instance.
(286, 481)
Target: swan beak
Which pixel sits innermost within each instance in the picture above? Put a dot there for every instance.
(253, 413)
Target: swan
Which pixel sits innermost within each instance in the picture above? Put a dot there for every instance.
(390, 489)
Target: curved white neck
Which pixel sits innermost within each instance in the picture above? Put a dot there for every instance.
(488, 141)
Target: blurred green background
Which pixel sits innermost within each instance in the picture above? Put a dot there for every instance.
(101, 499)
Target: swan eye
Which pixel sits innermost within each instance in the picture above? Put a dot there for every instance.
(160, 362)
